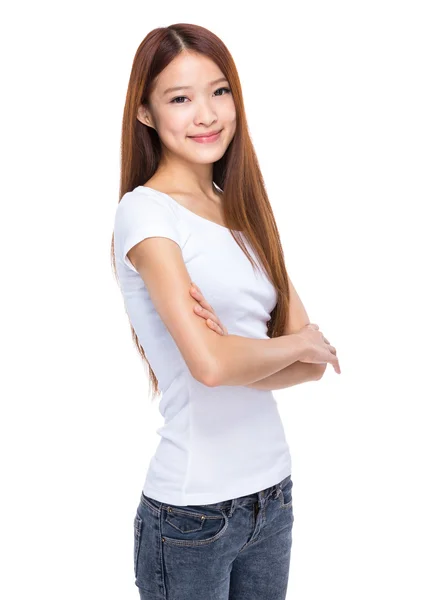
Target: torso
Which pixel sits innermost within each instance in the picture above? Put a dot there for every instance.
(203, 422)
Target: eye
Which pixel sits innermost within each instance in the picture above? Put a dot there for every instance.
(227, 90)
(223, 88)
(174, 101)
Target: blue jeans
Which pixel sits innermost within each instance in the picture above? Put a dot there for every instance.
(237, 549)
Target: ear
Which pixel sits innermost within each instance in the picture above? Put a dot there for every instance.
(143, 115)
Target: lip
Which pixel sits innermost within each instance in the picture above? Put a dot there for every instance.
(206, 137)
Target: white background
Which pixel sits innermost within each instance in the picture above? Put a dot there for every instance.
(335, 94)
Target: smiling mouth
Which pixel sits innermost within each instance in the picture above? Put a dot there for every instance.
(208, 139)
(205, 135)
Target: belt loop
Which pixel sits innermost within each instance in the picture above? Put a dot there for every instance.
(233, 504)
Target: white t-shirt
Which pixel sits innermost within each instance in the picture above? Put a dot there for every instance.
(217, 443)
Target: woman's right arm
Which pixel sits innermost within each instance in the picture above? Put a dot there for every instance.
(212, 359)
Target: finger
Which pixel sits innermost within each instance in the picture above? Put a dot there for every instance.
(196, 293)
(214, 326)
(206, 314)
(195, 288)
(217, 324)
(334, 362)
(223, 329)
(200, 298)
(331, 349)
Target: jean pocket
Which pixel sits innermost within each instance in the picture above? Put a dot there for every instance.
(285, 494)
(183, 527)
(137, 528)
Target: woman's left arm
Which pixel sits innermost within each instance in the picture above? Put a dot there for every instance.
(297, 372)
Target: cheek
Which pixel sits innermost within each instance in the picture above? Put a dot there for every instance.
(175, 125)
(228, 115)
(233, 124)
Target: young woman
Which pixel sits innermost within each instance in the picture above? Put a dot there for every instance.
(215, 515)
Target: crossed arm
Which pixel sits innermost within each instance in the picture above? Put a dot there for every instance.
(296, 373)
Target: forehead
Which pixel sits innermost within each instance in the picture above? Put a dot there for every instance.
(188, 69)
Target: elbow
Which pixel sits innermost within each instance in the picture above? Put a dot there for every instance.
(207, 372)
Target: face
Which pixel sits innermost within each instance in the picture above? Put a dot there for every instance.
(202, 102)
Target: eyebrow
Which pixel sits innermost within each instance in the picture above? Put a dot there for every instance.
(187, 87)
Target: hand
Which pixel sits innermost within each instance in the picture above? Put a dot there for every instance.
(204, 309)
(317, 348)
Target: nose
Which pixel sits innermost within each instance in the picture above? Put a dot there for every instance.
(205, 115)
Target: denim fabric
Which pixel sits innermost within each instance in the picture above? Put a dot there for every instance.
(238, 549)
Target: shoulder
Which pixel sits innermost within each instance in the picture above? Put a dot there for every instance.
(141, 198)
(143, 213)
(144, 205)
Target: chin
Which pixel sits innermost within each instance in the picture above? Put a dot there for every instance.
(207, 157)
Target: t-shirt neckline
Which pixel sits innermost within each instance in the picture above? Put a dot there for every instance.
(185, 208)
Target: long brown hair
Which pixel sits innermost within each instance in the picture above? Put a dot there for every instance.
(246, 206)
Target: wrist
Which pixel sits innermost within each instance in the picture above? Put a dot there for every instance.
(300, 346)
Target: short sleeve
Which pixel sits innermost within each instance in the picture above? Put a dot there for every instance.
(140, 216)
